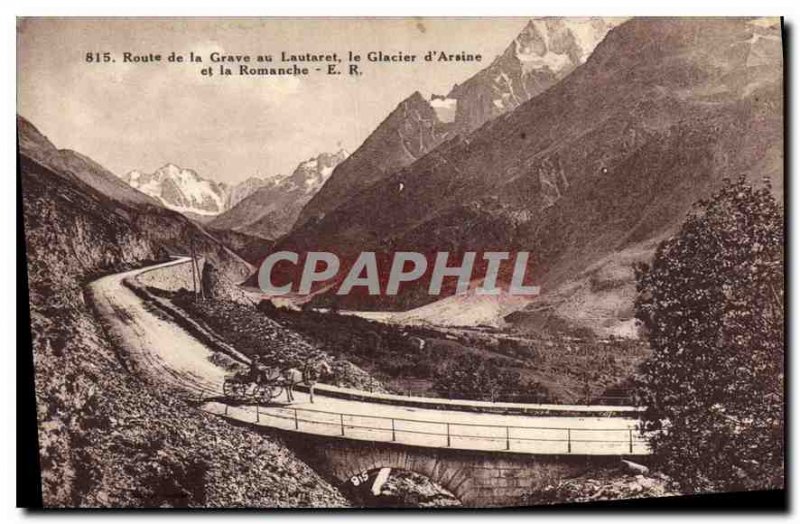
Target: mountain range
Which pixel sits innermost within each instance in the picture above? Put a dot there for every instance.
(181, 190)
(271, 209)
(588, 175)
(79, 215)
(229, 207)
(545, 51)
(585, 143)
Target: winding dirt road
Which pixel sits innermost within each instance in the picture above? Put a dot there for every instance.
(157, 348)
(163, 352)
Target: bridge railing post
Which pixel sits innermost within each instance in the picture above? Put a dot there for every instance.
(341, 422)
(569, 440)
(448, 434)
(296, 422)
(258, 415)
(394, 436)
(508, 440)
(630, 441)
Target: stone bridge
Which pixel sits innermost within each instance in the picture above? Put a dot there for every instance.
(490, 455)
(477, 479)
(484, 453)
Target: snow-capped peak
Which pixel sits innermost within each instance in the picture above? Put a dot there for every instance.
(185, 191)
(545, 51)
(181, 189)
(311, 174)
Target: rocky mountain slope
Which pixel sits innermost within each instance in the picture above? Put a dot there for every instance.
(181, 189)
(75, 168)
(105, 438)
(545, 51)
(160, 231)
(244, 189)
(251, 248)
(269, 211)
(609, 159)
(408, 133)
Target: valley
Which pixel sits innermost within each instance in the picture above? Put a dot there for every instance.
(557, 367)
(168, 306)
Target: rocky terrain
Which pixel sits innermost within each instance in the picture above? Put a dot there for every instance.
(106, 439)
(244, 189)
(609, 484)
(251, 248)
(243, 327)
(419, 359)
(405, 135)
(406, 489)
(588, 174)
(89, 212)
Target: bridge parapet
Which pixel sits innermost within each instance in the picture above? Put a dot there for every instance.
(534, 437)
(478, 406)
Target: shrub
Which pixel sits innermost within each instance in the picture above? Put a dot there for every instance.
(712, 308)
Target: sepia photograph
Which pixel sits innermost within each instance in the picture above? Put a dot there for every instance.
(401, 262)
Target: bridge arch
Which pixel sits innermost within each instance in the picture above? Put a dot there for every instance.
(409, 489)
(351, 463)
(476, 479)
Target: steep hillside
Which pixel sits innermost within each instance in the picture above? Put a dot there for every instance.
(545, 51)
(410, 131)
(162, 231)
(251, 248)
(107, 439)
(76, 167)
(612, 156)
(269, 211)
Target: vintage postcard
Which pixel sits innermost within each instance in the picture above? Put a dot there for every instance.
(402, 262)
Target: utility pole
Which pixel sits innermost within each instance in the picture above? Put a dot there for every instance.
(586, 389)
(194, 277)
(200, 278)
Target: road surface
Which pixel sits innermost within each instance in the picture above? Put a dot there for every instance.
(160, 350)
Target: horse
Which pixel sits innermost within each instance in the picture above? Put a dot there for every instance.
(309, 376)
(291, 377)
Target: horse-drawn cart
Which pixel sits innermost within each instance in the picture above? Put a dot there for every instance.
(248, 386)
(263, 383)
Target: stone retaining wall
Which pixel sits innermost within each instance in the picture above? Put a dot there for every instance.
(171, 278)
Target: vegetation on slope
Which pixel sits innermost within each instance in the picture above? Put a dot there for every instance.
(713, 306)
(107, 439)
(427, 361)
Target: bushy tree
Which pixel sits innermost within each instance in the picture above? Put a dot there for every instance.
(471, 377)
(712, 308)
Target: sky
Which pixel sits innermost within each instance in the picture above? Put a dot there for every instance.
(144, 115)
